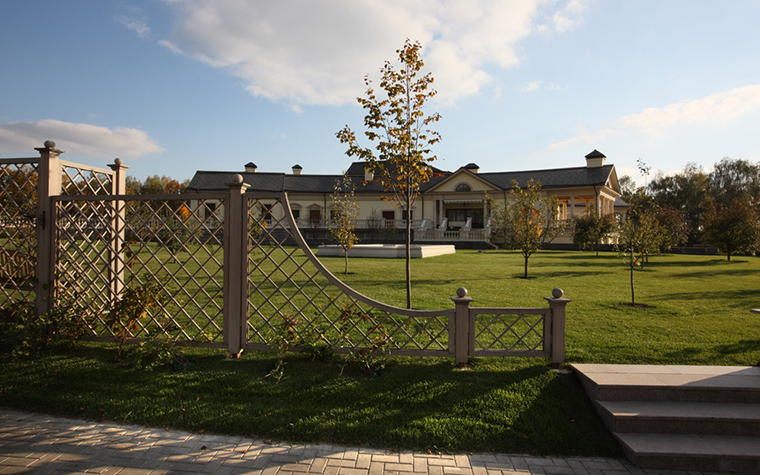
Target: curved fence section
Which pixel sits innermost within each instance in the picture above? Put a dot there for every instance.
(288, 285)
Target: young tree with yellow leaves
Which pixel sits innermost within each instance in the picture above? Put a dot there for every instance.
(345, 210)
(398, 126)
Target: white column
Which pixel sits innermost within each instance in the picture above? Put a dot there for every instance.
(572, 206)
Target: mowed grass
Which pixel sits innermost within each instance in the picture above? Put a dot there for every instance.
(699, 314)
(698, 305)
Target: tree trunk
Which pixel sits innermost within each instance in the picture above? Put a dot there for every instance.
(525, 274)
(345, 270)
(633, 264)
(408, 258)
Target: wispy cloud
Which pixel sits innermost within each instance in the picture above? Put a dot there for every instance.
(317, 52)
(77, 139)
(536, 85)
(135, 20)
(718, 109)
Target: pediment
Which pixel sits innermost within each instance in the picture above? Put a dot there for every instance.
(459, 177)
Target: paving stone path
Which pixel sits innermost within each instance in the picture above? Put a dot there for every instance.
(40, 444)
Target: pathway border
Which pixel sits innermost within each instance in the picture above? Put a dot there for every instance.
(42, 444)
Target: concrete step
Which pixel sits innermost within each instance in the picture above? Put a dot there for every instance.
(705, 453)
(704, 418)
(730, 384)
(681, 417)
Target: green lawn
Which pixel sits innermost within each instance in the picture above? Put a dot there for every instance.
(699, 314)
(699, 304)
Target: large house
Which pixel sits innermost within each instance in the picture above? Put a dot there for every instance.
(452, 206)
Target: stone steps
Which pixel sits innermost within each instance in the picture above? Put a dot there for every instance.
(704, 418)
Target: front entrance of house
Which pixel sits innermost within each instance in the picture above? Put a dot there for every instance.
(458, 217)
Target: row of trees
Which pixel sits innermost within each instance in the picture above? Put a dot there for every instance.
(721, 208)
(155, 185)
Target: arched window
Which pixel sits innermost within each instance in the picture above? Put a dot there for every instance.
(463, 187)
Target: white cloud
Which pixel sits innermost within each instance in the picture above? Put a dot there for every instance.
(536, 85)
(318, 51)
(136, 21)
(76, 139)
(718, 109)
(569, 17)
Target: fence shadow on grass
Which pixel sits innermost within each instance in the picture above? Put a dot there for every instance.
(505, 406)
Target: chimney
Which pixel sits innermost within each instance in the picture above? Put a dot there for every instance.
(473, 167)
(250, 167)
(595, 159)
(369, 175)
(297, 169)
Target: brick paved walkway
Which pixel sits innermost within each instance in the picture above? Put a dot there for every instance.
(32, 443)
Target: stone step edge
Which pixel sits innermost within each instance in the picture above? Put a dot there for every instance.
(661, 455)
(675, 410)
(680, 417)
(633, 392)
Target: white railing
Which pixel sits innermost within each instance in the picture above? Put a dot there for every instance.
(452, 235)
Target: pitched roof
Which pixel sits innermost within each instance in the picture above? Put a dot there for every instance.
(264, 181)
(552, 178)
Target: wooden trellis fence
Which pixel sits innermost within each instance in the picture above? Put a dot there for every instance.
(227, 282)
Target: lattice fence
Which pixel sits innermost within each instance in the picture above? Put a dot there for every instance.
(105, 244)
(287, 281)
(230, 269)
(18, 238)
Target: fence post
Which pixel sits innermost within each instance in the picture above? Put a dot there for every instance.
(557, 307)
(118, 224)
(48, 185)
(235, 288)
(462, 330)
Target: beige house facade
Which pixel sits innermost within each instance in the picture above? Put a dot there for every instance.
(452, 207)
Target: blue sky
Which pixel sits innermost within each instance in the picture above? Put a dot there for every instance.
(174, 86)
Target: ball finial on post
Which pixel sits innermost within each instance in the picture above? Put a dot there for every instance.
(461, 292)
(557, 293)
(49, 144)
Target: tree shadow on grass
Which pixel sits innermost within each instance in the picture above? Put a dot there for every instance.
(736, 296)
(741, 346)
(653, 261)
(718, 272)
(571, 274)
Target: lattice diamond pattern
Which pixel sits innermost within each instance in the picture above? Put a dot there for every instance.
(283, 283)
(18, 238)
(84, 181)
(509, 332)
(170, 241)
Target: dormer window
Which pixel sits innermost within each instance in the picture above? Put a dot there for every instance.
(463, 187)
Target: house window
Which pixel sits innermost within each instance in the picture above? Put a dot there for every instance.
(315, 216)
(463, 187)
(389, 215)
(404, 214)
(296, 213)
